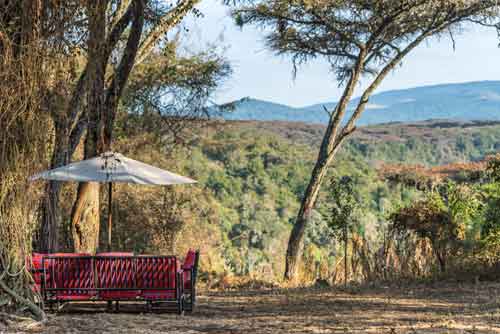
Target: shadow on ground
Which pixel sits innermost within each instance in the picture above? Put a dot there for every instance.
(444, 308)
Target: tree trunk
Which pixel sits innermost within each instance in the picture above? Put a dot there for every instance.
(50, 208)
(69, 129)
(48, 235)
(85, 218)
(440, 252)
(295, 244)
(330, 145)
(346, 238)
(332, 139)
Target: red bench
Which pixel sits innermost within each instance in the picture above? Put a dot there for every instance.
(68, 277)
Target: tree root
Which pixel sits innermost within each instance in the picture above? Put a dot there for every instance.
(32, 307)
(18, 322)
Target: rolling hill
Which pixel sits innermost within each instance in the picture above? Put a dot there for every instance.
(464, 101)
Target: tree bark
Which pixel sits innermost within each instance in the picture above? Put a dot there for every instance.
(85, 218)
(49, 232)
(329, 146)
(50, 208)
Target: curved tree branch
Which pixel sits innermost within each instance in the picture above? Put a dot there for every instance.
(167, 22)
(122, 73)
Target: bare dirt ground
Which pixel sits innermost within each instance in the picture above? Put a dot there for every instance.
(443, 308)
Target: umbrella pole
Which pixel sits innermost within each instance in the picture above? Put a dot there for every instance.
(110, 213)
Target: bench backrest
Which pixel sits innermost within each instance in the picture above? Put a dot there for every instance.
(156, 272)
(115, 270)
(190, 268)
(69, 273)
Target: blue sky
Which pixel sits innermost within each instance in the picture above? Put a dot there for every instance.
(260, 74)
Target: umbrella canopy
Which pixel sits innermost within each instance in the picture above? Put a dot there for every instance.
(112, 167)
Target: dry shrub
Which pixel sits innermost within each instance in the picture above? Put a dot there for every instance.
(400, 257)
(404, 257)
(226, 281)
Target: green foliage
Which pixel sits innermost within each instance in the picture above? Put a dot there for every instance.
(462, 202)
(250, 182)
(494, 168)
(169, 90)
(344, 203)
(492, 211)
(449, 218)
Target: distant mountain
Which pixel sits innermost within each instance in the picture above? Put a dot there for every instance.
(464, 101)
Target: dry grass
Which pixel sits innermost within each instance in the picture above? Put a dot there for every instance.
(444, 308)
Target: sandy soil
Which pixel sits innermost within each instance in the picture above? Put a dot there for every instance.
(444, 308)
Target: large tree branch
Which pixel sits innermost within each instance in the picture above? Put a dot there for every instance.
(380, 77)
(170, 20)
(328, 140)
(118, 29)
(435, 27)
(121, 7)
(76, 134)
(167, 22)
(75, 111)
(122, 73)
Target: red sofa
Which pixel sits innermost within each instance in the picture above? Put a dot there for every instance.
(69, 277)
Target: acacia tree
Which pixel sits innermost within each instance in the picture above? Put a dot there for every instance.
(125, 33)
(358, 38)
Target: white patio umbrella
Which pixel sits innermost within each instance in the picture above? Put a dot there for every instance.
(112, 167)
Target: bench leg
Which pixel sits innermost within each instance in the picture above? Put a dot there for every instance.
(117, 308)
(180, 306)
(109, 307)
